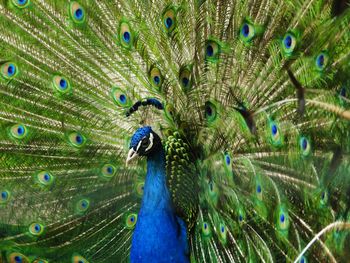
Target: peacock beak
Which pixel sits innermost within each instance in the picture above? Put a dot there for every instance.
(131, 155)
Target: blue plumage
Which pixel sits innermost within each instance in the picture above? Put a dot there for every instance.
(138, 135)
(159, 236)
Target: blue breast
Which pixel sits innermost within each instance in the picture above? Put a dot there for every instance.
(159, 236)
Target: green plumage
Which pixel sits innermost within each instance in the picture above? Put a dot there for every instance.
(182, 178)
(255, 126)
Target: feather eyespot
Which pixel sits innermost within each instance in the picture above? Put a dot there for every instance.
(275, 138)
(125, 35)
(120, 97)
(140, 188)
(44, 178)
(77, 12)
(4, 196)
(223, 233)
(206, 231)
(169, 19)
(169, 111)
(212, 188)
(9, 70)
(78, 259)
(222, 229)
(108, 171)
(342, 92)
(212, 50)
(18, 131)
(168, 22)
(247, 32)
(289, 43)
(76, 139)
(282, 218)
(274, 129)
(324, 197)
(321, 61)
(131, 220)
(82, 206)
(227, 159)
(303, 260)
(305, 147)
(16, 257)
(39, 260)
(36, 229)
(185, 78)
(210, 112)
(258, 189)
(155, 77)
(21, 3)
(61, 84)
(241, 215)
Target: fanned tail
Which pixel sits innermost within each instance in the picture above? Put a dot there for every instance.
(251, 98)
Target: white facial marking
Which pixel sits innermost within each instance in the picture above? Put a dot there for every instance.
(139, 144)
(150, 142)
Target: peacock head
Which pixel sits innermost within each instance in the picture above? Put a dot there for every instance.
(144, 142)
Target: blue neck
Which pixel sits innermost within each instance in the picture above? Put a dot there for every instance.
(156, 194)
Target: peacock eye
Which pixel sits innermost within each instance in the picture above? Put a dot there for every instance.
(76, 139)
(108, 171)
(169, 19)
(78, 259)
(21, 3)
(61, 84)
(77, 12)
(247, 32)
(227, 159)
(305, 147)
(125, 35)
(169, 111)
(155, 77)
(131, 220)
(140, 188)
(185, 78)
(210, 112)
(282, 218)
(44, 178)
(206, 231)
(4, 196)
(82, 206)
(212, 50)
(120, 97)
(36, 229)
(16, 257)
(40, 261)
(342, 92)
(145, 143)
(18, 131)
(9, 70)
(289, 43)
(258, 189)
(321, 61)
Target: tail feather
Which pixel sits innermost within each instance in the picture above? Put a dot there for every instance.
(222, 75)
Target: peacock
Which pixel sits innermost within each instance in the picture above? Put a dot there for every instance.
(174, 131)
